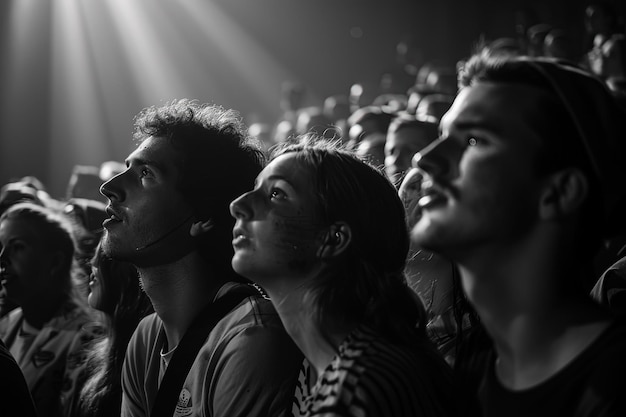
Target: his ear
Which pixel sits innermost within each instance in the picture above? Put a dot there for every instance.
(565, 193)
(336, 240)
(200, 227)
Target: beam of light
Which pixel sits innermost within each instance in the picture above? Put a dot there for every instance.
(22, 36)
(244, 55)
(78, 131)
(90, 66)
(152, 69)
(24, 58)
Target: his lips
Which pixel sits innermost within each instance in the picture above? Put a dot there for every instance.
(429, 200)
(429, 194)
(113, 216)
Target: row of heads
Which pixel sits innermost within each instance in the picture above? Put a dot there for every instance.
(578, 120)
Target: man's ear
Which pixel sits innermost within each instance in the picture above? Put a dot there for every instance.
(336, 240)
(200, 227)
(564, 193)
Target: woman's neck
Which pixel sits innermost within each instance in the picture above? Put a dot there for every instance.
(40, 310)
(298, 313)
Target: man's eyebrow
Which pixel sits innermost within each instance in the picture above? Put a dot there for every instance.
(470, 124)
(145, 162)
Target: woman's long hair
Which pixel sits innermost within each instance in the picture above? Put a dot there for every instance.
(58, 232)
(124, 304)
(366, 284)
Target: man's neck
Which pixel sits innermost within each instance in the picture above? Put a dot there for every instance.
(527, 301)
(179, 291)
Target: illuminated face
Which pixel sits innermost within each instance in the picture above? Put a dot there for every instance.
(372, 148)
(476, 185)
(400, 147)
(276, 233)
(144, 203)
(26, 261)
(97, 289)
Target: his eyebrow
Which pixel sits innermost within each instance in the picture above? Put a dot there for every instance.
(469, 124)
(145, 162)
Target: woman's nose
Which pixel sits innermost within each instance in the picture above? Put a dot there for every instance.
(239, 208)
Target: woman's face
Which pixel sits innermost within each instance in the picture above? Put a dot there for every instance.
(96, 292)
(277, 232)
(26, 261)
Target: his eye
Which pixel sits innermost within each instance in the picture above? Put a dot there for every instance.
(277, 194)
(145, 172)
(476, 141)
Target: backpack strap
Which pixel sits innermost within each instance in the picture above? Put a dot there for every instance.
(189, 346)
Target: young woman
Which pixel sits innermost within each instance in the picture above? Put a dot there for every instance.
(324, 233)
(114, 290)
(46, 334)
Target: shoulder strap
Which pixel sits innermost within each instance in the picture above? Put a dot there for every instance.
(189, 346)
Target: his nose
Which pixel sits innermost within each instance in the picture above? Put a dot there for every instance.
(113, 189)
(436, 159)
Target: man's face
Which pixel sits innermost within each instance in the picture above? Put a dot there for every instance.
(145, 205)
(476, 185)
(400, 147)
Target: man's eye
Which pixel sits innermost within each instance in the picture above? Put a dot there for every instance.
(145, 172)
(475, 141)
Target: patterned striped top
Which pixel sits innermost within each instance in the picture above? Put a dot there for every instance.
(372, 377)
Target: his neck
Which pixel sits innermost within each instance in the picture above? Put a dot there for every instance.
(528, 302)
(179, 291)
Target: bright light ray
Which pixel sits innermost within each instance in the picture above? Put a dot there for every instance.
(244, 55)
(78, 130)
(153, 71)
(84, 68)
(19, 62)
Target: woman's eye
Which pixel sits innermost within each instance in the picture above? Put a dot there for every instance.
(276, 194)
(144, 172)
(472, 142)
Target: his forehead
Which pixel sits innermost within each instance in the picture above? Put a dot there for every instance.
(155, 151)
(493, 106)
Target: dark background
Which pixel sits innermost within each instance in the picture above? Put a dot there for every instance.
(75, 72)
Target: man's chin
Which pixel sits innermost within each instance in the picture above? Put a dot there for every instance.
(424, 235)
(111, 249)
